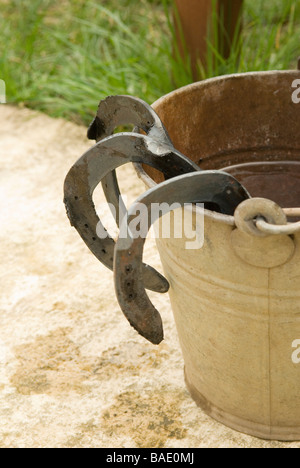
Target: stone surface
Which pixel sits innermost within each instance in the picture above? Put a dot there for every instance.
(73, 373)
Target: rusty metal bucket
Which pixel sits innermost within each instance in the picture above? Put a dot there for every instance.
(236, 300)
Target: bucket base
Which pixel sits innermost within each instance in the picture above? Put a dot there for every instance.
(241, 425)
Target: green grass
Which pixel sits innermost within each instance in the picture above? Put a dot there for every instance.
(62, 57)
(269, 41)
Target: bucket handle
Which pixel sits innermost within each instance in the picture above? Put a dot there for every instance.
(262, 217)
(209, 186)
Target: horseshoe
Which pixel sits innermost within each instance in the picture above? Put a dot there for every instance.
(120, 110)
(93, 167)
(211, 186)
(113, 112)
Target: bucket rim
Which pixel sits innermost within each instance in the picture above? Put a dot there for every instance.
(148, 181)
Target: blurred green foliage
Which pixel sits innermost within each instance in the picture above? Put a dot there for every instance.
(62, 57)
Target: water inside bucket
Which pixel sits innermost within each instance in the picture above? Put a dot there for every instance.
(278, 181)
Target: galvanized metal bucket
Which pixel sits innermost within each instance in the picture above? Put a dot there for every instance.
(236, 300)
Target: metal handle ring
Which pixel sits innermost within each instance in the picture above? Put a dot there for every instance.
(262, 217)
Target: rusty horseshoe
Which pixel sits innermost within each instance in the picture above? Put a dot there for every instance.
(96, 164)
(113, 112)
(217, 187)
